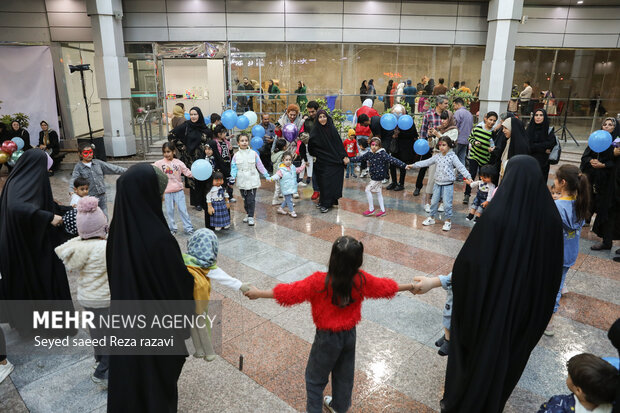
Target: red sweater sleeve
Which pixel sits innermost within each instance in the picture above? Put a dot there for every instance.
(297, 292)
(375, 287)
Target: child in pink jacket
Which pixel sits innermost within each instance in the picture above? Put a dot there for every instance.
(173, 168)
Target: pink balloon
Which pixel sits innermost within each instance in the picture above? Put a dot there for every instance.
(289, 132)
(50, 161)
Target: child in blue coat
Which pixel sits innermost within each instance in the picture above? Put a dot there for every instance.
(287, 175)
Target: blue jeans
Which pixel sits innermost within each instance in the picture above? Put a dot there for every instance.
(288, 202)
(445, 192)
(461, 153)
(557, 299)
(177, 198)
(315, 180)
(350, 169)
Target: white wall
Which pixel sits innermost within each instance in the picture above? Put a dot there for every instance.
(408, 22)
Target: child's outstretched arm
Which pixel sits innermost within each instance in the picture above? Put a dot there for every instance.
(109, 168)
(253, 293)
(423, 285)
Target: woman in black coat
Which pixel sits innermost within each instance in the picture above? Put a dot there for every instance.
(363, 91)
(541, 140)
(402, 148)
(17, 131)
(48, 141)
(190, 139)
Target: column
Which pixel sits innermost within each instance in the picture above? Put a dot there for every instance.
(498, 66)
(112, 70)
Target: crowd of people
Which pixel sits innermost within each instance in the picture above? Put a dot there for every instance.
(499, 307)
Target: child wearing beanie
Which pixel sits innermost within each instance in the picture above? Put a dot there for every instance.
(201, 262)
(350, 145)
(85, 255)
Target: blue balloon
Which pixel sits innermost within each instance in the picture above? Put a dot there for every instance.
(201, 170)
(19, 142)
(388, 121)
(599, 141)
(405, 122)
(258, 131)
(229, 119)
(421, 147)
(256, 143)
(243, 122)
(207, 120)
(186, 115)
(380, 98)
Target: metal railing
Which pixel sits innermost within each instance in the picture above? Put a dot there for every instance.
(144, 121)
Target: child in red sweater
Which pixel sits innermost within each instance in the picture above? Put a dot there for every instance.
(350, 145)
(336, 300)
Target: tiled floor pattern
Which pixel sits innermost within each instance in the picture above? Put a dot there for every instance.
(397, 366)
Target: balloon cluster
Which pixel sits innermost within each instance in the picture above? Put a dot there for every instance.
(11, 151)
(230, 119)
(397, 117)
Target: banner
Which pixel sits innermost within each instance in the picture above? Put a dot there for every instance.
(27, 86)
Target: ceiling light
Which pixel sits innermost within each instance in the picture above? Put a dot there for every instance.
(580, 2)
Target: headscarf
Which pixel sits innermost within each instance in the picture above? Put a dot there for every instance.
(537, 132)
(616, 132)
(451, 124)
(177, 112)
(325, 142)
(162, 180)
(196, 129)
(367, 103)
(203, 247)
(503, 304)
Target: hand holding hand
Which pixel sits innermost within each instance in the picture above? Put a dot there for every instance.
(252, 293)
(468, 181)
(422, 285)
(210, 210)
(409, 167)
(548, 151)
(345, 160)
(56, 221)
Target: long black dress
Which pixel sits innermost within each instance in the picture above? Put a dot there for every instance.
(144, 263)
(540, 139)
(190, 138)
(404, 151)
(326, 145)
(503, 302)
(30, 269)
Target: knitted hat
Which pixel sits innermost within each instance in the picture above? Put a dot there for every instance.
(203, 246)
(162, 180)
(91, 221)
(351, 133)
(508, 124)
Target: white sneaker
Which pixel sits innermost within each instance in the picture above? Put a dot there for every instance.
(293, 214)
(245, 219)
(427, 208)
(364, 173)
(5, 370)
(428, 221)
(440, 209)
(232, 200)
(275, 202)
(251, 222)
(296, 195)
(446, 226)
(281, 211)
(326, 402)
(385, 181)
(302, 184)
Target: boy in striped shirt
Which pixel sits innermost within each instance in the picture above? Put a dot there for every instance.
(481, 146)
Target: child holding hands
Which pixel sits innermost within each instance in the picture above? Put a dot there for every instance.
(218, 203)
(336, 300)
(446, 161)
(287, 176)
(422, 285)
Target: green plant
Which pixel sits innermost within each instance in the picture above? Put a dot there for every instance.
(22, 118)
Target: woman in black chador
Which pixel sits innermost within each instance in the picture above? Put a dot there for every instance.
(503, 303)
(145, 263)
(29, 231)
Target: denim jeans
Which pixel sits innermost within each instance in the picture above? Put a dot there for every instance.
(461, 153)
(557, 298)
(288, 202)
(331, 353)
(350, 169)
(445, 192)
(177, 198)
(315, 182)
(103, 203)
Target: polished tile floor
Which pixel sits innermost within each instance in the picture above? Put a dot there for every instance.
(397, 365)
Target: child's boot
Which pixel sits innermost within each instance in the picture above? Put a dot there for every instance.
(444, 350)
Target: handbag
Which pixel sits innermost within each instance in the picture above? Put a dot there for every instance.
(556, 152)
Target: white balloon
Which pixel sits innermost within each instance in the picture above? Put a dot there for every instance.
(252, 117)
(367, 103)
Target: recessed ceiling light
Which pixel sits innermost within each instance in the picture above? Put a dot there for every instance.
(580, 2)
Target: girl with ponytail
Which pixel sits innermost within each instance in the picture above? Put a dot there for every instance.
(573, 207)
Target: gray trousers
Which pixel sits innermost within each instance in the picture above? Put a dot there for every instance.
(331, 353)
(249, 200)
(103, 203)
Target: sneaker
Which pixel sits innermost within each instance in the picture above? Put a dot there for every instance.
(293, 214)
(368, 212)
(296, 195)
(315, 195)
(302, 184)
(428, 221)
(227, 227)
(440, 209)
(327, 401)
(446, 226)
(399, 188)
(198, 208)
(232, 200)
(251, 221)
(218, 228)
(95, 379)
(5, 370)
(281, 196)
(385, 181)
(308, 180)
(469, 217)
(324, 210)
(466, 200)
(416, 192)
(391, 186)
(210, 357)
(549, 331)
(245, 219)
(190, 232)
(444, 350)
(427, 208)
(346, 176)
(281, 211)
(380, 214)
(439, 342)
(354, 176)
(275, 202)
(364, 173)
